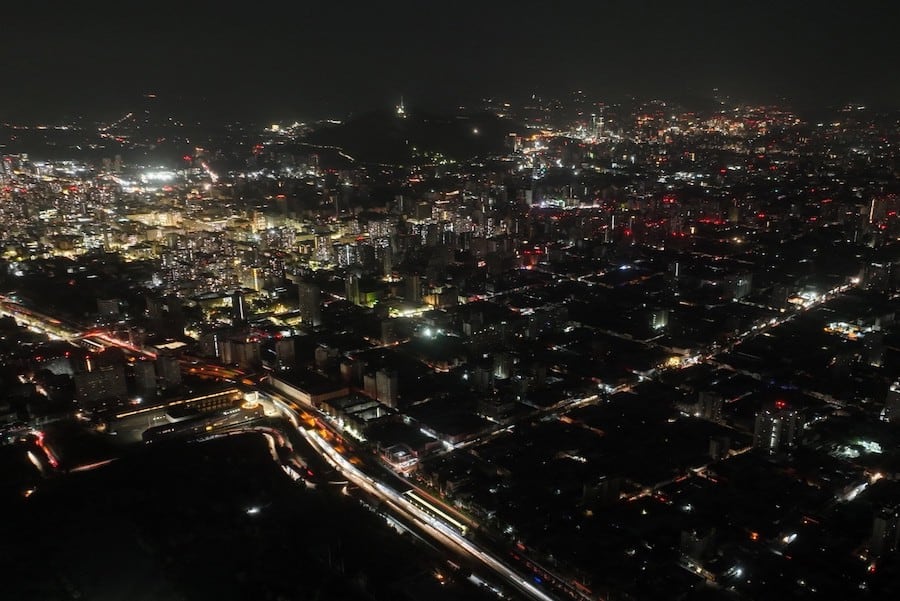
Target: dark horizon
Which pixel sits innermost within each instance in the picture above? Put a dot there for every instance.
(321, 60)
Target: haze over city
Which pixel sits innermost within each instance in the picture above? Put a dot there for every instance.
(323, 59)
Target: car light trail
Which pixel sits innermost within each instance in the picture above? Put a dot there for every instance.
(402, 504)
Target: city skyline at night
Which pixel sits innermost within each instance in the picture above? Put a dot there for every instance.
(476, 301)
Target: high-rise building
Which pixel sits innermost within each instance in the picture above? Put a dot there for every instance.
(719, 446)
(310, 303)
(891, 411)
(169, 369)
(351, 287)
(482, 377)
(105, 383)
(238, 308)
(386, 384)
(885, 530)
(347, 254)
(108, 307)
(710, 406)
(326, 357)
(739, 285)
(323, 250)
(212, 342)
(111, 356)
(285, 353)
(659, 319)
(880, 276)
(352, 371)
(697, 544)
(370, 386)
(166, 315)
(503, 365)
(243, 352)
(873, 349)
(414, 288)
(496, 406)
(474, 324)
(777, 428)
(145, 375)
(388, 331)
(387, 260)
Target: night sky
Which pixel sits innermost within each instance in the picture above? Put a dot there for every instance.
(326, 58)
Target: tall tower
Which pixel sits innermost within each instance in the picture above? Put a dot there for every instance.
(285, 353)
(238, 308)
(386, 387)
(351, 287)
(413, 288)
(401, 109)
(169, 369)
(310, 303)
(145, 376)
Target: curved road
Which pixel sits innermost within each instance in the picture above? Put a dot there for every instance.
(437, 528)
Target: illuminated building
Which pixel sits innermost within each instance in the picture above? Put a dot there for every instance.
(777, 428)
(242, 352)
(347, 254)
(238, 308)
(136, 420)
(891, 412)
(503, 363)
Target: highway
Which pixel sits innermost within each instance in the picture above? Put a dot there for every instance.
(439, 530)
(36, 321)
